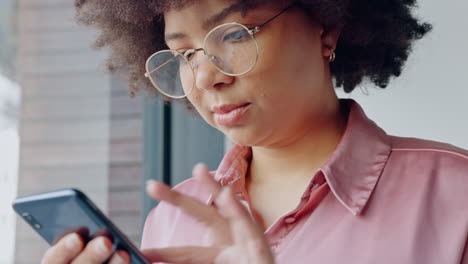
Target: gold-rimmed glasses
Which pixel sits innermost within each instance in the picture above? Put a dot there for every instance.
(230, 47)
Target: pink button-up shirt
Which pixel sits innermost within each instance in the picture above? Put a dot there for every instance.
(379, 199)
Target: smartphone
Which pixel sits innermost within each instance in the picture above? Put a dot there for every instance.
(58, 213)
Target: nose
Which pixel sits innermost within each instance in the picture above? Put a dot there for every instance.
(208, 77)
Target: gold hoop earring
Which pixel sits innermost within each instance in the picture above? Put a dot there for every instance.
(332, 55)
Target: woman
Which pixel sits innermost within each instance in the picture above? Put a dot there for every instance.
(311, 178)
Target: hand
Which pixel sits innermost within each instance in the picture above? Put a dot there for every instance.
(72, 249)
(233, 236)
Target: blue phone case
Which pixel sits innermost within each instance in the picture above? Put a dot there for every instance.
(57, 213)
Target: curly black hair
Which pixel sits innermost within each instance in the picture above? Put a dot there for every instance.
(376, 35)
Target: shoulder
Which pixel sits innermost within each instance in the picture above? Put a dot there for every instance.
(192, 188)
(189, 187)
(407, 145)
(429, 151)
(168, 222)
(441, 167)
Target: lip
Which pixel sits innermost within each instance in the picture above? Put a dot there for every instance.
(230, 114)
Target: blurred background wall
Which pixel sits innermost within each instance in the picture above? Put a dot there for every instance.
(9, 138)
(430, 99)
(78, 128)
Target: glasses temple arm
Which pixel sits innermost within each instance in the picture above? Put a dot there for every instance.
(257, 28)
(162, 65)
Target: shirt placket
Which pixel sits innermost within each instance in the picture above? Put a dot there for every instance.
(277, 232)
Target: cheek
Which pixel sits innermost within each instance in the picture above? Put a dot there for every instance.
(196, 99)
(187, 79)
(291, 51)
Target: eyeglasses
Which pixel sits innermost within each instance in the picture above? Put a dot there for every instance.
(230, 47)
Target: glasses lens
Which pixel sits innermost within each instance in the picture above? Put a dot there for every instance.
(170, 73)
(231, 48)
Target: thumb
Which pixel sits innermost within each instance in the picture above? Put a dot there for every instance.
(202, 174)
(200, 170)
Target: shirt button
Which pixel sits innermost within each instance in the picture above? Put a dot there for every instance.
(289, 220)
(274, 247)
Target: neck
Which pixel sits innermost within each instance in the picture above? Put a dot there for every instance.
(300, 157)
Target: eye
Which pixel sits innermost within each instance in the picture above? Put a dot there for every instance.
(239, 35)
(189, 54)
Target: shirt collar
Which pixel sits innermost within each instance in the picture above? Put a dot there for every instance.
(358, 161)
(352, 171)
(233, 168)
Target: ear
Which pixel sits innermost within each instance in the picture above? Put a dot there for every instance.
(329, 39)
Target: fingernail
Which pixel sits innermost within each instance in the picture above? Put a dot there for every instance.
(148, 182)
(117, 259)
(196, 167)
(72, 241)
(199, 168)
(101, 247)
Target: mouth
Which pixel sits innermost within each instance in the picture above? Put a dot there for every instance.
(230, 114)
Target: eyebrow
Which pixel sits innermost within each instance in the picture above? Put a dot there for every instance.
(174, 36)
(210, 22)
(217, 18)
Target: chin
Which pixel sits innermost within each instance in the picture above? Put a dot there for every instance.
(242, 143)
(244, 138)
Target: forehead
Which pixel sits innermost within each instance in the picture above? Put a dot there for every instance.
(205, 13)
(210, 13)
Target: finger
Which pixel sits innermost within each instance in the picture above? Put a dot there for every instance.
(242, 226)
(64, 250)
(202, 174)
(120, 257)
(96, 251)
(212, 237)
(202, 212)
(218, 232)
(257, 253)
(247, 234)
(182, 255)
